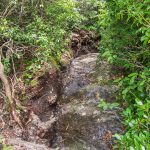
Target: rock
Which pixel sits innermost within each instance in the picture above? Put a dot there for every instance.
(38, 128)
(83, 42)
(77, 76)
(82, 124)
(19, 144)
(76, 123)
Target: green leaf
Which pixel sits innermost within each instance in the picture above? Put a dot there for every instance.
(133, 74)
(132, 148)
(118, 136)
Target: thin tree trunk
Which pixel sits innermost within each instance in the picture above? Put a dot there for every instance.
(9, 94)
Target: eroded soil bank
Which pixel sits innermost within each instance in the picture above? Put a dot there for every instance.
(65, 115)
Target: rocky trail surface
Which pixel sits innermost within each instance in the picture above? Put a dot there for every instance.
(66, 116)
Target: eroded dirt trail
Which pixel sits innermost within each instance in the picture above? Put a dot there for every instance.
(65, 115)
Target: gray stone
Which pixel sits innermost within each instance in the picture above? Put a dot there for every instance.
(82, 124)
(19, 144)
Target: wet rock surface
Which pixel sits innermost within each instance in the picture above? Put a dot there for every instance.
(81, 124)
(66, 116)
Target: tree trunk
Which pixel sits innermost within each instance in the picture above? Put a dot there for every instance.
(9, 94)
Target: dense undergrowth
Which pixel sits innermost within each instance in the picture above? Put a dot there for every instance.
(35, 33)
(125, 29)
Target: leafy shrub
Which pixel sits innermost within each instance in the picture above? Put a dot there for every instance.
(125, 30)
(39, 31)
(88, 9)
(135, 93)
